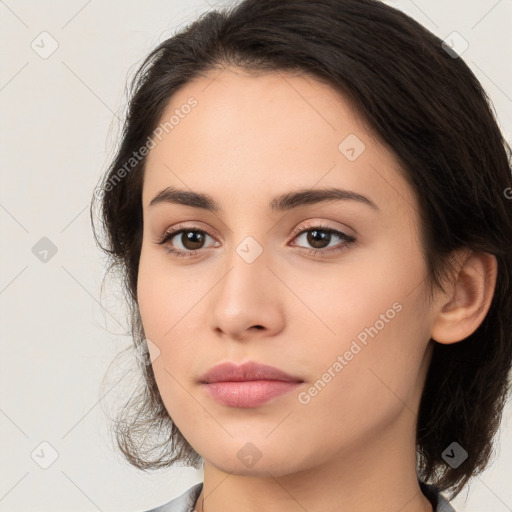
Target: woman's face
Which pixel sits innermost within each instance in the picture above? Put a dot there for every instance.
(268, 284)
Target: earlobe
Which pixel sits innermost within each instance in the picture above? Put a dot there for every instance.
(467, 305)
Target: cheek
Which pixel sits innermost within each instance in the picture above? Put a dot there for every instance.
(367, 296)
(378, 324)
(166, 296)
(164, 301)
(358, 388)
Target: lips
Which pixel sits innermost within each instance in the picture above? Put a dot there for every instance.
(248, 385)
(250, 371)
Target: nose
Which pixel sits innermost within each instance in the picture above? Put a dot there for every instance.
(247, 300)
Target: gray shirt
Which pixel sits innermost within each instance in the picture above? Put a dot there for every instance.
(186, 501)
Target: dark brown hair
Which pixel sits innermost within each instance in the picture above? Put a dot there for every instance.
(428, 108)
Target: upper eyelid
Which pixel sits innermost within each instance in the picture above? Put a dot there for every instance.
(302, 226)
(321, 225)
(174, 230)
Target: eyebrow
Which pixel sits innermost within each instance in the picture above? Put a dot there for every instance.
(280, 203)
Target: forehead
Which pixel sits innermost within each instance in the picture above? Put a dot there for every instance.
(264, 134)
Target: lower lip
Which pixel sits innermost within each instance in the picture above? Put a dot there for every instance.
(251, 393)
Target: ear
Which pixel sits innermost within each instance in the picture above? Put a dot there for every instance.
(461, 311)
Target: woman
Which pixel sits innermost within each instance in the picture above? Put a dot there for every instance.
(309, 210)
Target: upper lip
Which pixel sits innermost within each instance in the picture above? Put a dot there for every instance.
(247, 371)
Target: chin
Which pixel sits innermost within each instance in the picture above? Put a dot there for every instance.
(246, 459)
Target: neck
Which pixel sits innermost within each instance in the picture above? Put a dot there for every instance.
(373, 476)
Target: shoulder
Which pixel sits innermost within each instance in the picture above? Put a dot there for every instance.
(439, 502)
(183, 503)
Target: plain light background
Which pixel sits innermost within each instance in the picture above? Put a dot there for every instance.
(60, 123)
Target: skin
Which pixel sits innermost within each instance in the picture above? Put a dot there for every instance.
(352, 447)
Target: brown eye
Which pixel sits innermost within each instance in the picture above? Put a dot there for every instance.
(192, 240)
(319, 237)
(184, 242)
(188, 242)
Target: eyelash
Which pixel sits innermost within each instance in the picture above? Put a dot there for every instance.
(349, 240)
